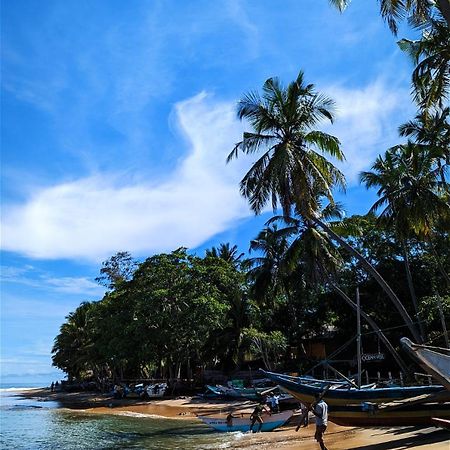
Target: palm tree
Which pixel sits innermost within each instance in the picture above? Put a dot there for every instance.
(409, 195)
(227, 253)
(283, 120)
(432, 130)
(321, 261)
(270, 270)
(73, 345)
(431, 55)
(416, 11)
(293, 170)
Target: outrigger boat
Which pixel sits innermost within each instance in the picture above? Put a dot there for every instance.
(242, 424)
(237, 392)
(343, 394)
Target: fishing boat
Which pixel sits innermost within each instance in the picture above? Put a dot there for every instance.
(342, 394)
(242, 424)
(156, 390)
(367, 415)
(236, 392)
(434, 360)
(441, 423)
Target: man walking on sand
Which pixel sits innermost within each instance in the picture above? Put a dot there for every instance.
(320, 410)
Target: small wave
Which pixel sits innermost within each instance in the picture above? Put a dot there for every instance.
(15, 389)
(138, 414)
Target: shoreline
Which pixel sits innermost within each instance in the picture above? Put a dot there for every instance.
(187, 408)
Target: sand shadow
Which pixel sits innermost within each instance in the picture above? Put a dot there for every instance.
(415, 440)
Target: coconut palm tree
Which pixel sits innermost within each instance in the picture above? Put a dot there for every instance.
(320, 260)
(409, 193)
(416, 11)
(73, 346)
(432, 130)
(431, 55)
(293, 170)
(227, 253)
(270, 270)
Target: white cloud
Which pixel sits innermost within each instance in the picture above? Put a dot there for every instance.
(367, 122)
(96, 216)
(29, 276)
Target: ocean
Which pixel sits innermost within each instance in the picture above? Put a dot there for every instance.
(39, 425)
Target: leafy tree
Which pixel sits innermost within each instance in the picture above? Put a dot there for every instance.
(116, 270)
(268, 346)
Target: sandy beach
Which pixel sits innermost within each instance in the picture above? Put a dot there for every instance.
(187, 408)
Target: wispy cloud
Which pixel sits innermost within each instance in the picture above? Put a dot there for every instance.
(29, 276)
(367, 121)
(94, 217)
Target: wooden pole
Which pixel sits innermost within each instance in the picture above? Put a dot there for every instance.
(444, 326)
(358, 335)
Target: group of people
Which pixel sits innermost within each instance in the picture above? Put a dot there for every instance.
(54, 386)
(273, 402)
(319, 408)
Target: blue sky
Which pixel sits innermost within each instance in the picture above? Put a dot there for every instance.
(116, 121)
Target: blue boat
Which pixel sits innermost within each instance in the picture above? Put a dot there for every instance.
(242, 424)
(304, 390)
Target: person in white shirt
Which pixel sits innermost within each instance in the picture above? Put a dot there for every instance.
(320, 410)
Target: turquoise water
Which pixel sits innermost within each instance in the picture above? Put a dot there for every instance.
(39, 425)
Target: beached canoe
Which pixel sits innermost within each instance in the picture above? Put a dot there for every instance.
(369, 415)
(339, 395)
(243, 423)
(441, 423)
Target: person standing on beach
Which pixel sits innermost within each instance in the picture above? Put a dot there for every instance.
(320, 410)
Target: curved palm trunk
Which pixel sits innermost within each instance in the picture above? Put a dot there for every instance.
(412, 291)
(366, 264)
(373, 325)
(444, 7)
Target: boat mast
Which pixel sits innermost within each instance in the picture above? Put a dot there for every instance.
(358, 335)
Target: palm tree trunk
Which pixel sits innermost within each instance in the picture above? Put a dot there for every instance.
(438, 262)
(444, 7)
(373, 325)
(366, 264)
(412, 291)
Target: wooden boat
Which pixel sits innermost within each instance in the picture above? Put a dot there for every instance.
(339, 394)
(441, 423)
(156, 390)
(434, 360)
(243, 423)
(369, 415)
(237, 392)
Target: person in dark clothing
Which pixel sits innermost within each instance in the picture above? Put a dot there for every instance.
(256, 415)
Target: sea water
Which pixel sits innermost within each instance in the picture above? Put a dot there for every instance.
(33, 424)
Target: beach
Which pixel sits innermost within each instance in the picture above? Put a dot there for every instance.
(184, 410)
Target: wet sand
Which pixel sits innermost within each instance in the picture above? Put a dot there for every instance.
(182, 408)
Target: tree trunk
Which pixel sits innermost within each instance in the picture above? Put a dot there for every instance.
(373, 325)
(412, 291)
(440, 266)
(366, 264)
(444, 8)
